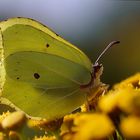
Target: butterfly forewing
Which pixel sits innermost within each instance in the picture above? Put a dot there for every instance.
(21, 34)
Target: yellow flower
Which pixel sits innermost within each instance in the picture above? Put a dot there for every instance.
(45, 138)
(84, 108)
(125, 96)
(92, 126)
(13, 121)
(68, 123)
(130, 127)
(4, 115)
(109, 102)
(129, 101)
(133, 82)
(68, 136)
(2, 136)
(51, 125)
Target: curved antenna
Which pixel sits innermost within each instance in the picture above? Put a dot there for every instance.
(104, 51)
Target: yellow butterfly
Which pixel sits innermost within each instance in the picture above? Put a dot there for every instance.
(41, 73)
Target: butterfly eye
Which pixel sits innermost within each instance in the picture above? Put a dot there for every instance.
(36, 76)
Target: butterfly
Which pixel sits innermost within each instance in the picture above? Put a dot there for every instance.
(41, 73)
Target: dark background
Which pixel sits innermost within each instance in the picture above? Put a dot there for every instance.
(90, 25)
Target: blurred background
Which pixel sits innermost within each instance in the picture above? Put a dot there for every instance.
(90, 25)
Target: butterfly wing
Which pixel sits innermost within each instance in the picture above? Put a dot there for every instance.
(22, 34)
(43, 71)
(45, 82)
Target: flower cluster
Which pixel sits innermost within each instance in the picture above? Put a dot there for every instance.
(116, 116)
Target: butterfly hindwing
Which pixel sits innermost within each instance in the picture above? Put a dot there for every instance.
(44, 81)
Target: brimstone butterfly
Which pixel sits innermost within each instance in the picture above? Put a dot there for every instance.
(41, 73)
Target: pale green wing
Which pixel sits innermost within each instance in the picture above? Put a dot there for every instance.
(44, 82)
(43, 71)
(22, 34)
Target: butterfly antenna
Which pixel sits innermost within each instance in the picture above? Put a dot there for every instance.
(104, 51)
